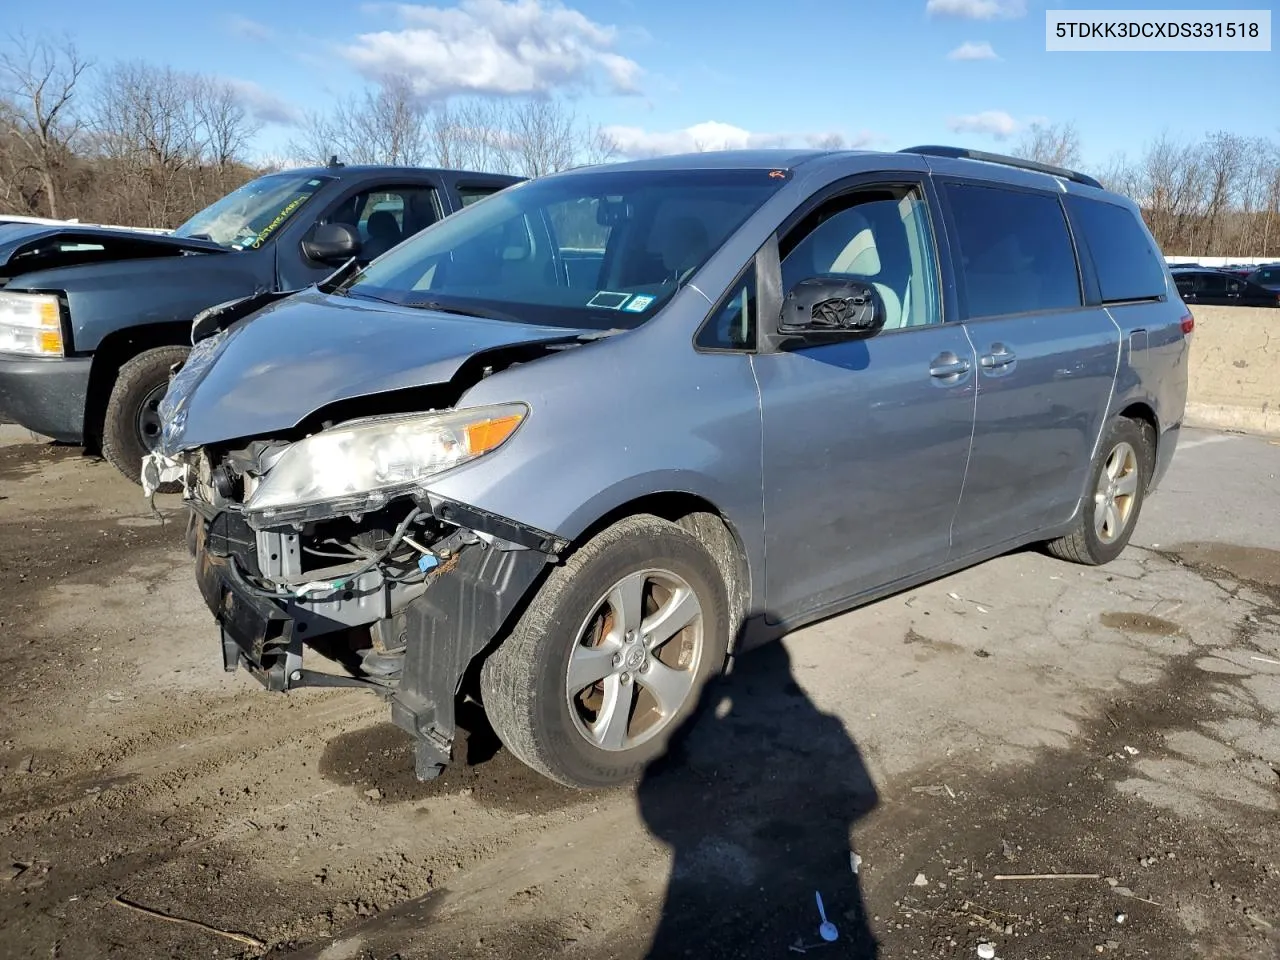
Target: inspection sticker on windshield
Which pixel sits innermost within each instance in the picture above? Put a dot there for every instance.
(638, 304)
(608, 299)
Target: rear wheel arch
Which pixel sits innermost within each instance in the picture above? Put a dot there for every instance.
(1124, 438)
(1142, 413)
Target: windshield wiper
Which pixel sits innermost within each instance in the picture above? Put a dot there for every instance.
(439, 307)
(347, 292)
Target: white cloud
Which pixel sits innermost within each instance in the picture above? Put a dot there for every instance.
(716, 135)
(247, 29)
(264, 105)
(976, 9)
(504, 47)
(973, 51)
(994, 123)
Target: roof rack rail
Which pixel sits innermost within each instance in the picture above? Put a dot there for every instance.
(962, 153)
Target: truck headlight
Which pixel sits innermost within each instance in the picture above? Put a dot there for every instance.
(358, 467)
(31, 324)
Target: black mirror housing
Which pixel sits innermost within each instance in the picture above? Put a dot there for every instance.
(332, 243)
(832, 305)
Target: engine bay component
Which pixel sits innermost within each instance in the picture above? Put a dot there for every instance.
(399, 598)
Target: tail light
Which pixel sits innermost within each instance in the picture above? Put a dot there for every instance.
(1188, 323)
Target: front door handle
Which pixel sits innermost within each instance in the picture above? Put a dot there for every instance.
(1000, 356)
(948, 365)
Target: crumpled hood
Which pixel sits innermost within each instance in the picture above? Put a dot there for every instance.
(271, 370)
(25, 246)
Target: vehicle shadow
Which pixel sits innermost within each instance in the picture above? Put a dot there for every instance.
(756, 801)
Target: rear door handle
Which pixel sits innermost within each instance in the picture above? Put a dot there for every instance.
(948, 365)
(1000, 356)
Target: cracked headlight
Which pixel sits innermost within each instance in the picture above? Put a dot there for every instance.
(358, 467)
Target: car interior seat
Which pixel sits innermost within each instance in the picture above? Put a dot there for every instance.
(384, 233)
(682, 245)
(845, 244)
(420, 213)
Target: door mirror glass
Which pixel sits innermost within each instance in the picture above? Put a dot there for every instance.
(832, 305)
(332, 243)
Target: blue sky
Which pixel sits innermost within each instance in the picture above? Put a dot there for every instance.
(667, 73)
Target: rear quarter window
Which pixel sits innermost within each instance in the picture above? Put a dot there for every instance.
(1127, 264)
(1013, 251)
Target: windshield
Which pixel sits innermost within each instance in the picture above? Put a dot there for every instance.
(248, 216)
(595, 249)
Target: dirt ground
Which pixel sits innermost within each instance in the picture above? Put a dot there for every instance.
(1026, 717)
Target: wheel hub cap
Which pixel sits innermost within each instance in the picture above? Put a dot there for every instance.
(1116, 494)
(147, 421)
(635, 660)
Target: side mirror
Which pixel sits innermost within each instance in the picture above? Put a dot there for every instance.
(832, 305)
(332, 243)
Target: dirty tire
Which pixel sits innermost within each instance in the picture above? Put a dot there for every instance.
(523, 683)
(122, 441)
(1083, 545)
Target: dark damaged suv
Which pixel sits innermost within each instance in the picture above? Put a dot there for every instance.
(567, 451)
(93, 318)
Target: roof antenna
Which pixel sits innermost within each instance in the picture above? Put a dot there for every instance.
(335, 162)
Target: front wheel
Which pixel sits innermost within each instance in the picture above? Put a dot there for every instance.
(1117, 487)
(131, 428)
(611, 655)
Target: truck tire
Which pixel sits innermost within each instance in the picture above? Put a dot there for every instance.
(604, 612)
(132, 427)
(1113, 499)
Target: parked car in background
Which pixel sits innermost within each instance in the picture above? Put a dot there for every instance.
(570, 448)
(93, 318)
(1268, 275)
(52, 221)
(1219, 288)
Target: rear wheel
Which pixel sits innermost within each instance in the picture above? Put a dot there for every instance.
(131, 428)
(611, 656)
(1117, 487)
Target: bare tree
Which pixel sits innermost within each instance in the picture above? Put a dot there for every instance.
(1120, 174)
(1271, 220)
(225, 123)
(1223, 160)
(38, 82)
(471, 135)
(144, 113)
(543, 135)
(386, 124)
(1260, 163)
(170, 141)
(1057, 144)
(1172, 175)
(599, 146)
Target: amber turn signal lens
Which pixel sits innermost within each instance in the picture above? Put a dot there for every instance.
(487, 434)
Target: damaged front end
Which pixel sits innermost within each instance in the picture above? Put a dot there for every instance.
(333, 546)
(307, 431)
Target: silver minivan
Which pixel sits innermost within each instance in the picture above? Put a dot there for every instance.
(565, 453)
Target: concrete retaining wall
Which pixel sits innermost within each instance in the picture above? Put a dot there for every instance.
(1234, 377)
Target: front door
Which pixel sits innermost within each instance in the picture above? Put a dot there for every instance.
(866, 440)
(1046, 362)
